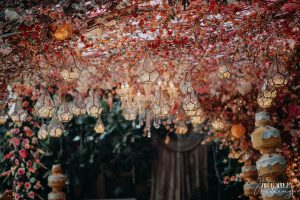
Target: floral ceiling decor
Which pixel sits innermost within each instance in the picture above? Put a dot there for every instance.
(204, 61)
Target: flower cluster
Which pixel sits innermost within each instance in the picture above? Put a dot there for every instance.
(24, 163)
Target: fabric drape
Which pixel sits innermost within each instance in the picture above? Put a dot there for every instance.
(180, 169)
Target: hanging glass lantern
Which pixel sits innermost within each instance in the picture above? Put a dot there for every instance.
(44, 106)
(278, 76)
(161, 105)
(181, 128)
(74, 72)
(129, 110)
(223, 72)
(190, 104)
(148, 74)
(78, 106)
(64, 113)
(219, 124)
(93, 106)
(186, 85)
(264, 102)
(17, 113)
(43, 133)
(55, 128)
(99, 127)
(268, 92)
(123, 90)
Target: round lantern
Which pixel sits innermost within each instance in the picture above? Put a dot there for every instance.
(271, 167)
(262, 119)
(238, 130)
(266, 139)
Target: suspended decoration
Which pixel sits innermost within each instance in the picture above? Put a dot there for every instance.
(123, 91)
(149, 73)
(99, 127)
(64, 113)
(264, 102)
(43, 133)
(75, 70)
(191, 104)
(44, 106)
(278, 76)
(55, 128)
(238, 130)
(78, 106)
(267, 91)
(186, 85)
(161, 105)
(93, 106)
(223, 72)
(3, 117)
(17, 113)
(197, 119)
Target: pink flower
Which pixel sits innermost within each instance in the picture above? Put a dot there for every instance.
(25, 104)
(23, 153)
(31, 195)
(15, 141)
(21, 171)
(8, 156)
(17, 196)
(26, 144)
(29, 163)
(27, 186)
(28, 131)
(37, 185)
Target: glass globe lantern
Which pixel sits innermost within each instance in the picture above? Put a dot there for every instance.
(17, 113)
(99, 127)
(93, 106)
(43, 133)
(190, 104)
(78, 106)
(181, 128)
(55, 128)
(64, 113)
(278, 76)
(45, 106)
(264, 102)
(219, 124)
(148, 74)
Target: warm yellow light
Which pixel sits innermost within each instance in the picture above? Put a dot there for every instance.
(43, 133)
(99, 127)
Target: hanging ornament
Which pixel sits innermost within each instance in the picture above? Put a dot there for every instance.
(43, 133)
(149, 73)
(93, 106)
(64, 113)
(99, 127)
(17, 113)
(267, 91)
(219, 124)
(186, 85)
(55, 128)
(197, 120)
(161, 105)
(191, 104)
(264, 102)
(129, 111)
(123, 90)
(44, 106)
(238, 130)
(223, 72)
(278, 76)
(78, 105)
(181, 128)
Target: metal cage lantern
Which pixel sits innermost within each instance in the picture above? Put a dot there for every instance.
(43, 133)
(17, 113)
(74, 72)
(93, 106)
(264, 102)
(64, 113)
(223, 72)
(45, 106)
(186, 85)
(278, 76)
(267, 91)
(161, 105)
(78, 106)
(191, 104)
(148, 73)
(55, 128)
